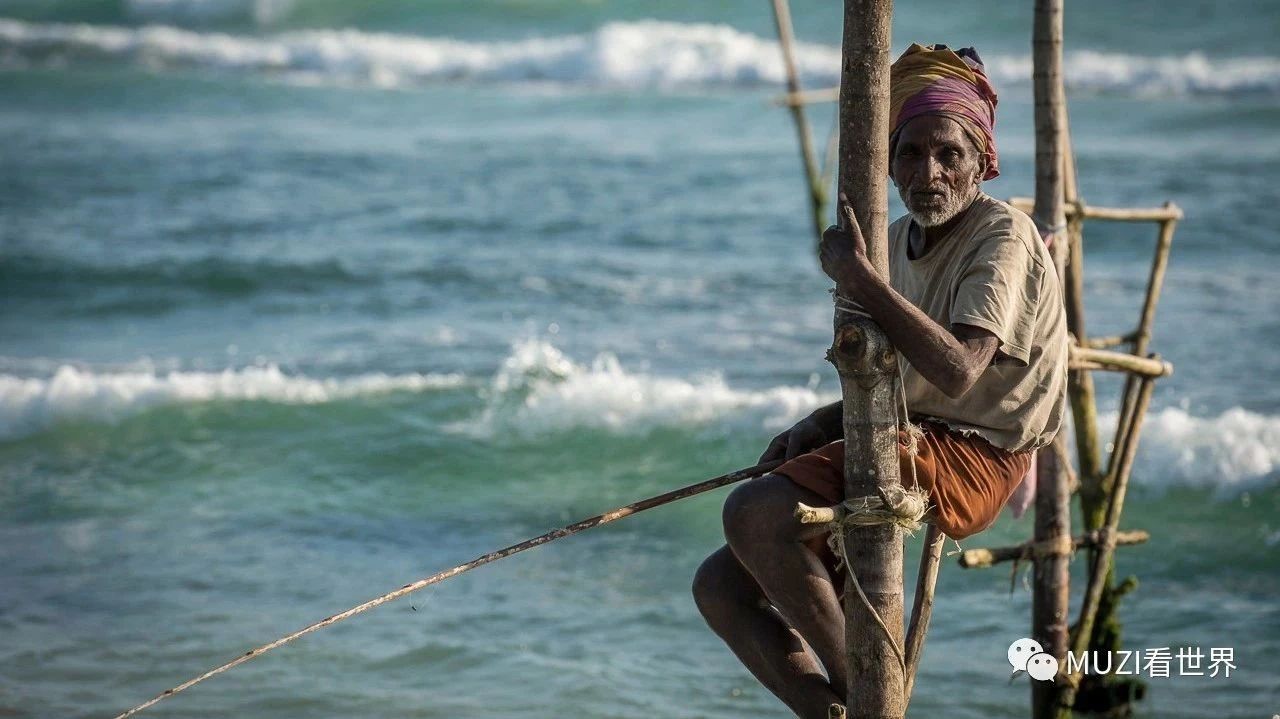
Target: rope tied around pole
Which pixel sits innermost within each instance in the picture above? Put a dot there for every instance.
(1061, 545)
(905, 508)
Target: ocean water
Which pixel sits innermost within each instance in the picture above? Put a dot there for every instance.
(302, 301)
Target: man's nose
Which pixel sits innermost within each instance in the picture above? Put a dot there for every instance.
(932, 169)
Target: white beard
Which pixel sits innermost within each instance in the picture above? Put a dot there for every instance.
(934, 216)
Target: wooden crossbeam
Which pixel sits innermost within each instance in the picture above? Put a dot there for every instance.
(991, 556)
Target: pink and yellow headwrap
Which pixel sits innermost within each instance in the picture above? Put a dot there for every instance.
(935, 80)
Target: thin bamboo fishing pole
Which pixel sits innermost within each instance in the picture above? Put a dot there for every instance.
(565, 531)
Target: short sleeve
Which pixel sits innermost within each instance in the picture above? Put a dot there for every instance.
(999, 291)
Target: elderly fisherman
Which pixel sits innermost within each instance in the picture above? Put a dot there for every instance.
(973, 306)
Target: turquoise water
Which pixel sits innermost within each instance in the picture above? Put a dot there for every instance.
(303, 301)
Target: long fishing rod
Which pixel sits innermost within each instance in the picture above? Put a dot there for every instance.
(565, 531)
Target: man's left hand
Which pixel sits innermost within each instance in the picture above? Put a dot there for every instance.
(843, 252)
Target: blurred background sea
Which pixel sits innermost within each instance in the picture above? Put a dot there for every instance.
(303, 300)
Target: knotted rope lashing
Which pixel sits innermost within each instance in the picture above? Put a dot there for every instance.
(905, 508)
(1059, 545)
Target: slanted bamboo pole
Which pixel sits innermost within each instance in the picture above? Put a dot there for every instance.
(991, 556)
(812, 173)
(1155, 282)
(566, 531)
(867, 365)
(1050, 600)
(922, 603)
(1100, 567)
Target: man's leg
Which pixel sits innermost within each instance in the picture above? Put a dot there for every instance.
(765, 536)
(736, 609)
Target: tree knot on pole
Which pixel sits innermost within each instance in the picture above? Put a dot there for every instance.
(860, 349)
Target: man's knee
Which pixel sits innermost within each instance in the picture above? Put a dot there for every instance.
(717, 586)
(761, 511)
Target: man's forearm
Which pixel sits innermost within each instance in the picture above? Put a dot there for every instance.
(831, 419)
(931, 349)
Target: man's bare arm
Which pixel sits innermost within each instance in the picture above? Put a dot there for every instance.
(950, 359)
(977, 348)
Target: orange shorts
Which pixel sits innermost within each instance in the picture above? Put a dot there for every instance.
(967, 478)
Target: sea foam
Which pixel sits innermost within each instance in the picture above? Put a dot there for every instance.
(1236, 449)
(539, 391)
(30, 405)
(627, 55)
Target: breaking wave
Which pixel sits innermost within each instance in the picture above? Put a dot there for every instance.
(540, 392)
(647, 54)
(30, 405)
(1234, 450)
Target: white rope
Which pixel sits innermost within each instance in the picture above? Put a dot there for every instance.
(907, 511)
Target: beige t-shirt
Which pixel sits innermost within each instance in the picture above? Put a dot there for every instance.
(991, 271)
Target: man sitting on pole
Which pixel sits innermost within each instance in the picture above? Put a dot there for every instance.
(973, 306)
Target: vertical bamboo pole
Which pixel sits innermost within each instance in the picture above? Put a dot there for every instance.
(1080, 392)
(867, 365)
(1050, 600)
(812, 173)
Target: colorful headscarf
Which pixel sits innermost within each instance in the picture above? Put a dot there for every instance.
(935, 80)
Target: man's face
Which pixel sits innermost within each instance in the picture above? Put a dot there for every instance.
(936, 168)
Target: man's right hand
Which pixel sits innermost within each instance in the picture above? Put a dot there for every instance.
(804, 436)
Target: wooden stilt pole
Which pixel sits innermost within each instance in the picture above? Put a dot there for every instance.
(1051, 596)
(867, 365)
(1050, 600)
(812, 173)
(1080, 391)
